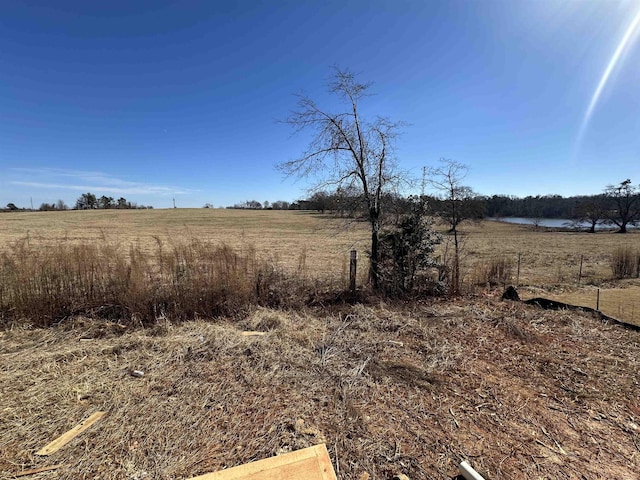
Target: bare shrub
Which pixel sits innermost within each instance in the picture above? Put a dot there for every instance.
(624, 262)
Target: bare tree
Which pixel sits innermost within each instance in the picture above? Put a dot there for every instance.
(591, 210)
(626, 198)
(348, 152)
(457, 205)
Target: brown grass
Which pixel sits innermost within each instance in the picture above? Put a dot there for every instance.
(625, 263)
(517, 392)
(409, 388)
(495, 271)
(550, 264)
(315, 247)
(320, 242)
(183, 280)
(277, 236)
(141, 266)
(622, 302)
(547, 257)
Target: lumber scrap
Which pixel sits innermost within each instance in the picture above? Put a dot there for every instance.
(311, 463)
(66, 437)
(253, 334)
(33, 471)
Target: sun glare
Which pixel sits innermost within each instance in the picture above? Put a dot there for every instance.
(629, 36)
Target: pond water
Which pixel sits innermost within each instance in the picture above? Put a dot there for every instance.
(553, 223)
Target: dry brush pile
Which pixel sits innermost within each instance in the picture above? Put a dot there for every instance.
(412, 389)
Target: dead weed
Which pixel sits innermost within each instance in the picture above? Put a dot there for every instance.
(414, 389)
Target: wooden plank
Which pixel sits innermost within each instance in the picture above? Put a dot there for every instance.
(311, 463)
(253, 334)
(65, 438)
(33, 471)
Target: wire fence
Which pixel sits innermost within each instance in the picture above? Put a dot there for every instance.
(605, 282)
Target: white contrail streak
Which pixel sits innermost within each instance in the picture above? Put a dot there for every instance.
(605, 76)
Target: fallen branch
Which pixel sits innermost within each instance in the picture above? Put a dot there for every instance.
(454, 417)
(33, 471)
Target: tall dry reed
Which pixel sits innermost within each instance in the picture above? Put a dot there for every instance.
(184, 280)
(625, 262)
(493, 271)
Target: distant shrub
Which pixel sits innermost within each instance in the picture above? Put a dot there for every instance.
(625, 262)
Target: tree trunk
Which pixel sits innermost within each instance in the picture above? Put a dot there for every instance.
(623, 228)
(455, 274)
(374, 270)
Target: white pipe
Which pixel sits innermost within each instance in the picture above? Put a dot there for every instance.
(469, 473)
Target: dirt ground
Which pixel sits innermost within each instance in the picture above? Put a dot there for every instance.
(516, 391)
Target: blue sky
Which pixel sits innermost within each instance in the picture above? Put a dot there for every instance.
(155, 100)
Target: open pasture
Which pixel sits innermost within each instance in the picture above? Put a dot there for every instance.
(318, 246)
(291, 239)
(547, 257)
(390, 388)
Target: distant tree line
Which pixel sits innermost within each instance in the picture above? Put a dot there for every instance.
(11, 207)
(266, 205)
(544, 206)
(618, 206)
(350, 204)
(89, 201)
(86, 201)
(59, 205)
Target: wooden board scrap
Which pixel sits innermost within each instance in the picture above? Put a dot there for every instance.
(253, 334)
(65, 438)
(311, 463)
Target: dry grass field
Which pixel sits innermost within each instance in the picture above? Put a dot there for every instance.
(548, 257)
(317, 246)
(411, 389)
(550, 264)
(288, 238)
(391, 388)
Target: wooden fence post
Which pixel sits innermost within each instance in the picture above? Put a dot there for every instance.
(353, 266)
(580, 272)
(598, 301)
